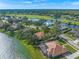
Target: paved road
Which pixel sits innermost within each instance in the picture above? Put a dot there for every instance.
(73, 56)
(68, 40)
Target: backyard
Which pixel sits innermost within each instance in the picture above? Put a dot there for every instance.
(35, 53)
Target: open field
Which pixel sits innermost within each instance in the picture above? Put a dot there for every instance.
(31, 16)
(69, 21)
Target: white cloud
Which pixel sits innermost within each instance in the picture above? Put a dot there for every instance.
(39, 1)
(75, 3)
(2, 5)
(27, 2)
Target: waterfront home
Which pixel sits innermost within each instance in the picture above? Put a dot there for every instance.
(52, 49)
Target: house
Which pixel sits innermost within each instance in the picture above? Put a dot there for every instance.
(48, 22)
(33, 19)
(52, 49)
(1, 24)
(76, 33)
(15, 26)
(40, 34)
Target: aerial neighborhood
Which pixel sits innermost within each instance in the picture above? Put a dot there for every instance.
(44, 36)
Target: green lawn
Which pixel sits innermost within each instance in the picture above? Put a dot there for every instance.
(32, 16)
(61, 41)
(70, 48)
(77, 57)
(70, 36)
(69, 21)
(36, 54)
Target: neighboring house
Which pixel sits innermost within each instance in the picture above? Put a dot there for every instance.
(7, 17)
(33, 19)
(67, 16)
(15, 26)
(32, 26)
(1, 24)
(52, 49)
(5, 21)
(49, 22)
(76, 33)
(64, 25)
(40, 34)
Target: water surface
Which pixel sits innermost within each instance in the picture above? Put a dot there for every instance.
(11, 48)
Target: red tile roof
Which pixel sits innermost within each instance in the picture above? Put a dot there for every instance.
(39, 34)
(55, 49)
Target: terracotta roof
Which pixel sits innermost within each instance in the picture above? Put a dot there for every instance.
(55, 49)
(39, 34)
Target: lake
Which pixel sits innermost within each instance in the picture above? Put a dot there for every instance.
(11, 48)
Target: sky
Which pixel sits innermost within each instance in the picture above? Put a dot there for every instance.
(39, 4)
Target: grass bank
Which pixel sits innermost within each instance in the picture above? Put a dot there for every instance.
(35, 53)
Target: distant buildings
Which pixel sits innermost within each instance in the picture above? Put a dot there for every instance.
(33, 19)
(48, 22)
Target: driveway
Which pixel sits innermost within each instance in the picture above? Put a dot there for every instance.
(68, 40)
(73, 56)
(76, 41)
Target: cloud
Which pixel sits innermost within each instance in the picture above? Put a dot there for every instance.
(27, 2)
(38, 4)
(2, 5)
(75, 3)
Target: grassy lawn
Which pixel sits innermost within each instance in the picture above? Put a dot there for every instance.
(61, 41)
(69, 21)
(77, 57)
(36, 54)
(2, 30)
(70, 48)
(32, 16)
(70, 36)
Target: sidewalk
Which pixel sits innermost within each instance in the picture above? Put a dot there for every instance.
(73, 56)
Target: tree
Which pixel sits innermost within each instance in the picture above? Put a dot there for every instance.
(55, 30)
